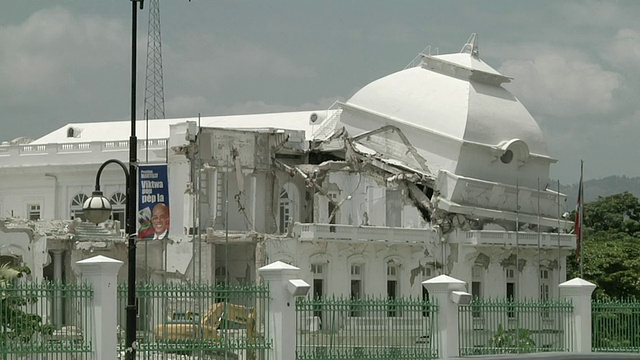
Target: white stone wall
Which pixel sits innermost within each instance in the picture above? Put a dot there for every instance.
(367, 196)
(337, 258)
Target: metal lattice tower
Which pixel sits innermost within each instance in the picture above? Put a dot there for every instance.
(154, 90)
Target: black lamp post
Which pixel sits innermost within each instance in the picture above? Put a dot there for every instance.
(97, 205)
(97, 209)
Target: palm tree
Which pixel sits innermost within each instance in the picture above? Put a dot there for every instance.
(15, 323)
(7, 274)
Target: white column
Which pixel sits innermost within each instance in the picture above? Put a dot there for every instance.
(57, 277)
(578, 328)
(280, 278)
(440, 289)
(102, 273)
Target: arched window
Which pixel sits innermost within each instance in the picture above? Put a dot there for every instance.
(118, 204)
(76, 206)
(287, 207)
(70, 132)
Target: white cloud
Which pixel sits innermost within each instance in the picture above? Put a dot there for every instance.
(209, 61)
(596, 14)
(560, 82)
(46, 52)
(187, 106)
(257, 107)
(624, 50)
(190, 106)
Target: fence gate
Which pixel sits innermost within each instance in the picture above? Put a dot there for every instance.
(202, 321)
(372, 328)
(28, 328)
(502, 326)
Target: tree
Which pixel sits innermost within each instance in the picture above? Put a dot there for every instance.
(618, 213)
(15, 323)
(611, 246)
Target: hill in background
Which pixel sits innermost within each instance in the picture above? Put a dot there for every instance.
(595, 188)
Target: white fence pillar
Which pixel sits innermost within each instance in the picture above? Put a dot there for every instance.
(578, 329)
(283, 289)
(102, 273)
(441, 289)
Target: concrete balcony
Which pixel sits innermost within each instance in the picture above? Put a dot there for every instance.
(509, 238)
(79, 152)
(338, 232)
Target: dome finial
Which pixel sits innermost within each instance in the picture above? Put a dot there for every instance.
(471, 47)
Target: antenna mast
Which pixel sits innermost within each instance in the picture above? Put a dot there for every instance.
(154, 90)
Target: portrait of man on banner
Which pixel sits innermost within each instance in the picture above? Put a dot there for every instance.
(154, 216)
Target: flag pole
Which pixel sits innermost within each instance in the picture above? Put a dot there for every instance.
(538, 210)
(517, 240)
(559, 253)
(517, 259)
(581, 218)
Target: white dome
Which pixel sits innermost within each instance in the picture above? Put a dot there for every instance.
(449, 107)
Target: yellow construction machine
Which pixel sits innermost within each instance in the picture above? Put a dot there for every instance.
(187, 325)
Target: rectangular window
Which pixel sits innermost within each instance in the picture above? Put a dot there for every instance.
(511, 294)
(34, 212)
(356, 289)
(477, 275)
(203, 197)
(544, 285)
(331, 209)
(545, 289)
(318, 285)
(355, 269)
(426, 275)
(511, 290)
(391, 271)
(316, 268)
(476, 289)
(392, 289)
(392, 294)
(219, 194)
(317, 291)
(394, 208)
(118, 215)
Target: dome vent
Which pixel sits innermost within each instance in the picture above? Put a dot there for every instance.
(514, 149)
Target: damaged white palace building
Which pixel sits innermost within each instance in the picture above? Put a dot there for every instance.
(435, 169)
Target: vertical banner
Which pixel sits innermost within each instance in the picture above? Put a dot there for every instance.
(153, 202)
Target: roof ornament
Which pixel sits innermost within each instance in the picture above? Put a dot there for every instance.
(471, 47)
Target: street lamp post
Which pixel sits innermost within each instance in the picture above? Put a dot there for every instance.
(97, 208)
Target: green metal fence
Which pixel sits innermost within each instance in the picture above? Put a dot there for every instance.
(376, 328)
(615, 326)
(503, 326)
(27, 327)
(199, 320)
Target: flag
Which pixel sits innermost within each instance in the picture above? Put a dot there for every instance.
(579, 216)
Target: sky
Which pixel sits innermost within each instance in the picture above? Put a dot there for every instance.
(574, 63)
